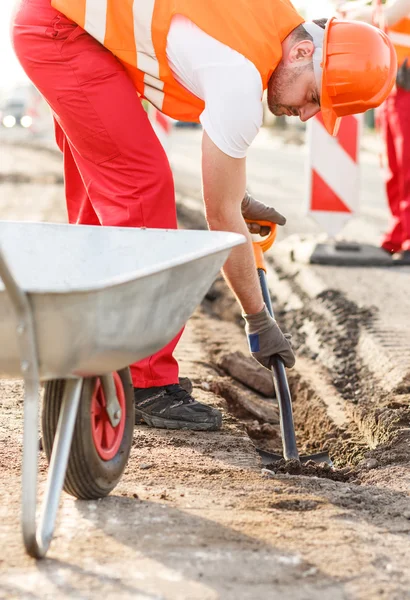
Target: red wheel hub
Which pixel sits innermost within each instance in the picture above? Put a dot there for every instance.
(107, 439)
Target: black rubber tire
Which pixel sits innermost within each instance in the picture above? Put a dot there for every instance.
(88, 476)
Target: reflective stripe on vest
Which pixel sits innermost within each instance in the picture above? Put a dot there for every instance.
(96, 18)
(95, 24)
(147, 60)
(136, 31)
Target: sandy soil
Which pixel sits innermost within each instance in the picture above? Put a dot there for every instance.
(194, 517)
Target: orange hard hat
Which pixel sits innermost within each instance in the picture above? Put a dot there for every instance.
(359, 70)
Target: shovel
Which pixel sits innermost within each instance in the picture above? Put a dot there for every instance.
(280, 381)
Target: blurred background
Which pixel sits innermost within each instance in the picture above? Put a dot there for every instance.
(31, 166)
(23, 110)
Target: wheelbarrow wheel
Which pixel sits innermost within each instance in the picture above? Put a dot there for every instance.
(99, 452)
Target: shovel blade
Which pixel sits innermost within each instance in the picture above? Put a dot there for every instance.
(270, 457)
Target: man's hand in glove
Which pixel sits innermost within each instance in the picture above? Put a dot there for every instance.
(257, 211)
(266, 339)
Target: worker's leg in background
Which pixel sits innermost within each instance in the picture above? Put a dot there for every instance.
(403, 113)
(123, 168)
(392, 240)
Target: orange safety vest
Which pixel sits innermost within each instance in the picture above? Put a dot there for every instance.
(136, 32)
(400, 36)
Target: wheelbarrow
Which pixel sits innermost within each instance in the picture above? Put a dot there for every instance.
(78, 305)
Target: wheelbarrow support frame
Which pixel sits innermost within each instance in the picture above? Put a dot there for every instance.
(37, 538)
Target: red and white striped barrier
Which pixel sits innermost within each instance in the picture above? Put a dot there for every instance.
(333, 173)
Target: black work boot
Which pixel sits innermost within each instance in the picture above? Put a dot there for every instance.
(172, 407)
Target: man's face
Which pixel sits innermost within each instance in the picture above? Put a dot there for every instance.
(292, 88)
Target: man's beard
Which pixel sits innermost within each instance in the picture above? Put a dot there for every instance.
(281, 80)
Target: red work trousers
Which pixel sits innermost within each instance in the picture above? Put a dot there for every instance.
(116, 172)
(395, 119)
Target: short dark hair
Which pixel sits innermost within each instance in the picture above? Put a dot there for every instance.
(299, 34)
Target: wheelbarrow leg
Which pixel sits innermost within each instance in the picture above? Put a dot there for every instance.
(112, 407)
(37, 539)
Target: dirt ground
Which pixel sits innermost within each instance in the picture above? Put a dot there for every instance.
(194, 516)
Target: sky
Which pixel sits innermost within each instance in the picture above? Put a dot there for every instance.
(11, 73)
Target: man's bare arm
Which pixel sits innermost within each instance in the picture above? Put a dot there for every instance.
(224, 189)
(224, 184)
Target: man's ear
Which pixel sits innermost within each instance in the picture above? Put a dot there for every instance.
(301, 51)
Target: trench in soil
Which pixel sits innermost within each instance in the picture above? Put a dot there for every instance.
(375, 427)
(382, 419)
(315, 430)
(365, 428)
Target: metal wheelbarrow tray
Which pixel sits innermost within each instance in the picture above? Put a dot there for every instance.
(82, 301)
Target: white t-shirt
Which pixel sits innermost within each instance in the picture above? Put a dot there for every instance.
(228, 83)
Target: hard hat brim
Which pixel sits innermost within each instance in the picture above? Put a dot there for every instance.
(331, 121)
(330, 118)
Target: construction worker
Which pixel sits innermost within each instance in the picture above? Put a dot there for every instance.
(395, 119)
(205, 62)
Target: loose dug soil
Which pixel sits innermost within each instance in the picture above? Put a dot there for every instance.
(194, 518)
(326, 331)
(334, 395)
(310, 469)
(364, 435)
(315, 430)
(359, 434)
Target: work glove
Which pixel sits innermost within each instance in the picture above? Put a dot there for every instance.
(257, 211)
(403, 76)
(266, 339)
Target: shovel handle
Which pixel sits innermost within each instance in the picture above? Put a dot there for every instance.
(266, 242)
(262, 245)
(280, 382)
(280, 379)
